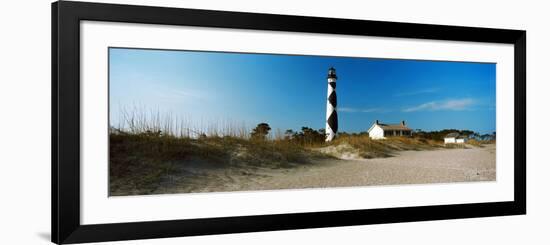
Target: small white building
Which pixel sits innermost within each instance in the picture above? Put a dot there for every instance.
(381, 131)
(454, 138)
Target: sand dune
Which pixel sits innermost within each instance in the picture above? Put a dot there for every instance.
(407, 167)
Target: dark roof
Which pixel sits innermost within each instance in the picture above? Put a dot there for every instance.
(452, 135)
(394, 127)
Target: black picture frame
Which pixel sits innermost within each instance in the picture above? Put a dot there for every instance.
(66, 226)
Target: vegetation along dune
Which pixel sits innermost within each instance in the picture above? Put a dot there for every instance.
(158, 160)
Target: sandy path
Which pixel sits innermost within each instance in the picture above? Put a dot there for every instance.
(408, 167)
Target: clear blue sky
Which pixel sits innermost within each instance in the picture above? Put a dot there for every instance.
(289, 91)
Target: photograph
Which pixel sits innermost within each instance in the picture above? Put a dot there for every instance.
(171, 120)
(196, 121)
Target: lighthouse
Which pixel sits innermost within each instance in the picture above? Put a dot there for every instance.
(332, 117)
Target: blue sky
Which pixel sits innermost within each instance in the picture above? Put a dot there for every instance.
(289, 91)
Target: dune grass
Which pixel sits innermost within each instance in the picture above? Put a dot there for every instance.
(476, 143)
(144, 148)
(139, 161)
(140, 157)
(366, 147)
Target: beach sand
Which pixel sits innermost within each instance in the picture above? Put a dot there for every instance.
(406, 167)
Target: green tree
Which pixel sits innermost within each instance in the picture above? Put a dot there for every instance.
(260, 132)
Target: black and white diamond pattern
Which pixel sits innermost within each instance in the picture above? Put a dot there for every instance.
(332, 116)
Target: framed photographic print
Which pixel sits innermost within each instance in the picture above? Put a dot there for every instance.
(175, 122)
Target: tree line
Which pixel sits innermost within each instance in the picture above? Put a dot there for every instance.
(308, 135)
(440, 134)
